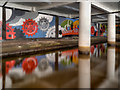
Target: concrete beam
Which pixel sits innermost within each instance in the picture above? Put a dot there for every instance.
(54, 13)
(103, 6)
(13, 5)
(52, 5)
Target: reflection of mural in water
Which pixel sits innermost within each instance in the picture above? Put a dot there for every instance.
(69, 57)
(98, 49)
(44, 65)
(29, 64)
(66, 59)
(9, 65)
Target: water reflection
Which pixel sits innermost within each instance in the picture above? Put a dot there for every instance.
(98, 50)
(111, 62)
(84, 71)
(111, 80)
(41, 66)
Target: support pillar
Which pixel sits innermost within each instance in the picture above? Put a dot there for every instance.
(56, 26)
(84, 26)
(3, 23)
(111, 29)
(98, 28)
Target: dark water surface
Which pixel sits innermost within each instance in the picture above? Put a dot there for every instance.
(63, 69)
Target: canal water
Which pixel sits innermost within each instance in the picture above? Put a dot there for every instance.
(63, 69)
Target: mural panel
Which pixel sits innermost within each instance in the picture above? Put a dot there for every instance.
(70, 27)
(21, 24)
(103, 29)
(0, 23)
(118, 28)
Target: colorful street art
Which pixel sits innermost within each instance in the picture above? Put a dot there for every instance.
(10, 33)
(0, 30)
(118, 28)
(22, 24)
(103, 30)
(30, 27)
(71, 27)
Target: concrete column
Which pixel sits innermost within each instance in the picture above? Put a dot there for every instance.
(98, 27)
(111, 29)
(84, 72)
(111, 62)
(84, 26)
(56, 26)
(3, 23)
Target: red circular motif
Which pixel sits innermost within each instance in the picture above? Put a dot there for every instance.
(29, 64)
(92, 30)
(30, 27)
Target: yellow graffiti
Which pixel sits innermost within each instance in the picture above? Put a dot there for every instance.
(75, 23)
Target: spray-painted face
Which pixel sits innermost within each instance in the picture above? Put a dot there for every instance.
(43, 24)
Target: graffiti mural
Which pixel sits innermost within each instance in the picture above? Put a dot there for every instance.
(30, 27)
(0, 30)
(22, 24)
(10, 33)
(103, 30)
(118, 28)
(70, 27)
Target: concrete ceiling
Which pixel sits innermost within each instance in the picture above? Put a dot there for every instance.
(67, 9)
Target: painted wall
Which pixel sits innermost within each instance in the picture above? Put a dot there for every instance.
(103, 29)
(118, 28)
(21, 24)
(0, 23)
(70, 27)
